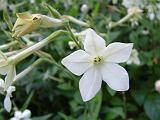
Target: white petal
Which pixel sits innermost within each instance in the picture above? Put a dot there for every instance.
(14, 118)
(26, 114)
(77, 62)
(10, 90)
(10, 77)
(90, 84)
(4, 70)
(93, 43)
(1, 86)
(115, 76)
(7, 103)
(118, 52)
(18, 114)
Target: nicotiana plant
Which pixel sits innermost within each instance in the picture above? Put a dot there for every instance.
(93, 58)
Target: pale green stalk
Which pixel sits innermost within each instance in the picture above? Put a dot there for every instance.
(121, 21)
(76, 21)
(30, 50)
(8, 45)
(28, 69)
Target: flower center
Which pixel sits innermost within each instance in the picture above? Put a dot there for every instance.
(98, 59)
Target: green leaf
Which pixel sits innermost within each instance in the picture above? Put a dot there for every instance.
(111, 91)
(7, 19)
(94, 107)
(44, 117)
(65, 117)
(152, 106)
(53, 11)
(113, 113)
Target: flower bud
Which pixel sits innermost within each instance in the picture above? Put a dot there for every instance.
(84, 8)
(157, 86)
(72, 44)
(134, 59)
(27, 23)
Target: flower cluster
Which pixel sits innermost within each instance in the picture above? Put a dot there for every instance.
(153, 8)
(25, 115)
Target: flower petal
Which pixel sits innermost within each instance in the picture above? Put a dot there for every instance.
(77, 62)
(26, 114)
(90, 84)
(24, 15)
(7, 103)
(115, 76)
(4, 70)
(118, 52)
(93, 43)
(10, 77)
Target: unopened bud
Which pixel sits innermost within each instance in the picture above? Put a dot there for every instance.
(84, 8)
(27, 23)
(157, 86)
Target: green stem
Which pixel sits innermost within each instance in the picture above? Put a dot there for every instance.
(30, 50)
(124, 105)
(121, 21)
(62, 68)
(76, 21)
(6, 46)
(28, 69)
(72, 35)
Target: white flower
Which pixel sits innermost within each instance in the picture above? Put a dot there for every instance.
(134, 59)
(98, 62)
(8, 92)
(18, 115)
(133, 3)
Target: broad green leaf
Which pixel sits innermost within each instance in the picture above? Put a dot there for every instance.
(152, 106)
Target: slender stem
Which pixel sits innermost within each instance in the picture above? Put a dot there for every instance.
(121, 21)
(30, 50)
(6, 46)
(62, 68)
(28, 69)
(124, 105)
(76, 21)
(55, 79)
(72, 35)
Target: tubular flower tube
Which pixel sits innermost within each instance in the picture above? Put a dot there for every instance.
(8, 70)
(98, 62)
(27, 23)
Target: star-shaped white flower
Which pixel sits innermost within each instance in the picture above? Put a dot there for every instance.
(98, 62)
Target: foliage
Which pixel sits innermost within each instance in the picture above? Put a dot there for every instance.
(51, 92)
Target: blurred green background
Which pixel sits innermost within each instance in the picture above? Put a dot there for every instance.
(52, 94)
